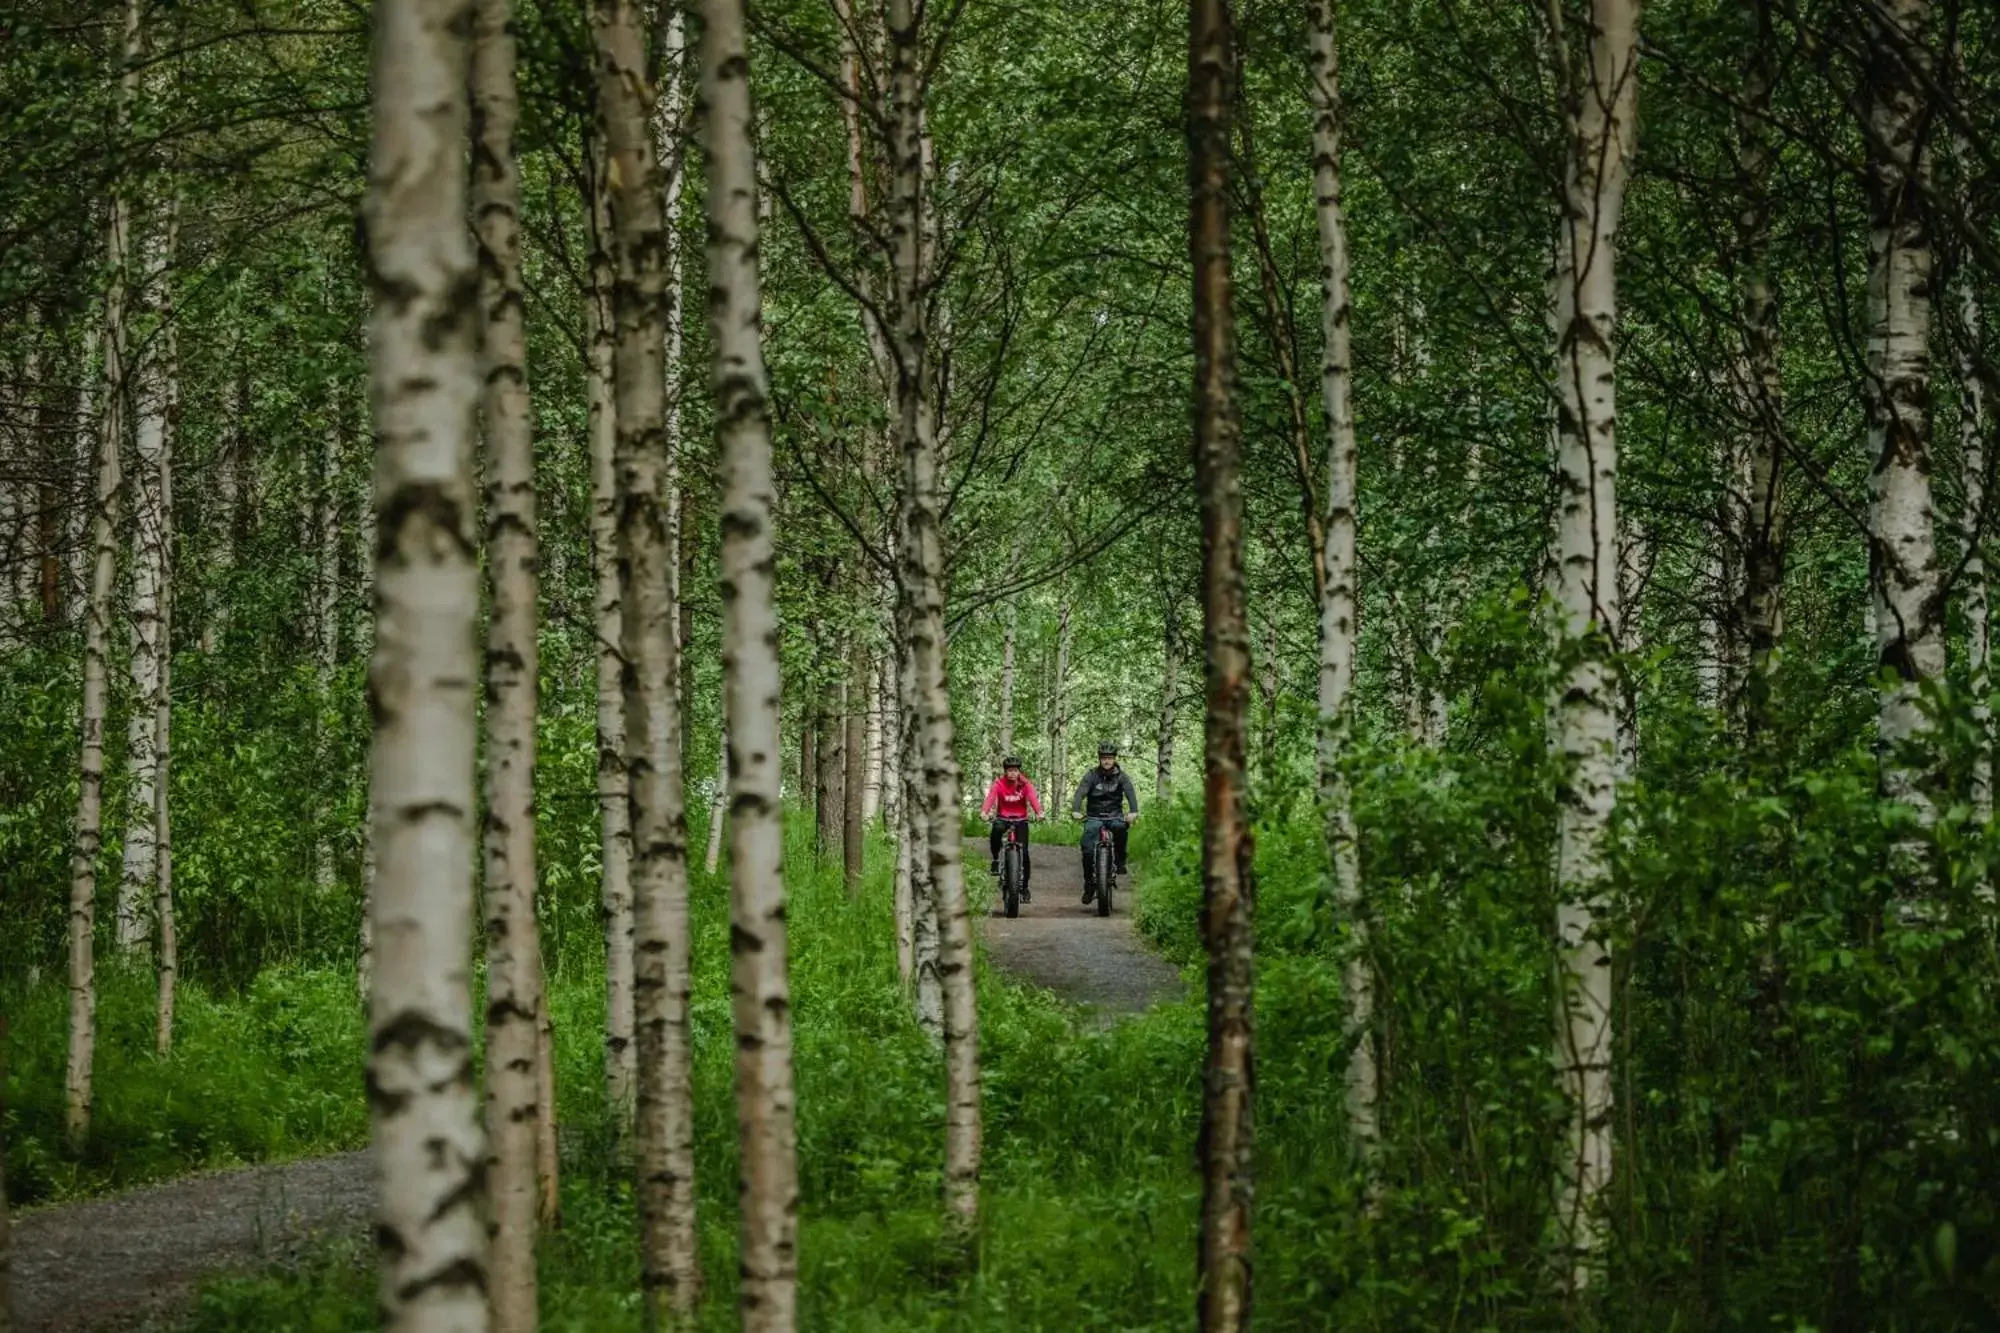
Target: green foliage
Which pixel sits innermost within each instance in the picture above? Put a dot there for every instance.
(271, 1073)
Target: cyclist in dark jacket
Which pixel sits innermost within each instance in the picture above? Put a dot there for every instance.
(1105, 796)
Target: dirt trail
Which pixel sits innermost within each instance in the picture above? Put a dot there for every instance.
(1057, 942)
(118, 1262)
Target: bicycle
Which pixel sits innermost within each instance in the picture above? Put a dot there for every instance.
(1104, 861)
(1011, 856)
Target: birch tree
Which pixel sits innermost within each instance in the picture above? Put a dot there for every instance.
(1225, 1149)
(1974, 419)
(766, 1133)
(1600, 101)
(613, 787)
(922, 587)
(1341, 596)
(430, 1155)
(515, 1005)
(1906, 583)
(107, 498)
(150, 537)
(643, 304)
(166, 936)
(855, 755)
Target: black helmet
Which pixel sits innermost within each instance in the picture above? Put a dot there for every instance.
(1011, 761)
(1107, 747)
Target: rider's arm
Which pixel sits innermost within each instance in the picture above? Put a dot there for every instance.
(1076, 801)
(992, 798)
(1034, 801)
(1131, 792)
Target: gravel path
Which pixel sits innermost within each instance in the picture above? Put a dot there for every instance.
(115, 1263)
(1057, 942)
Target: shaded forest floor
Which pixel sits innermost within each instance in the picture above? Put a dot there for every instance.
(134, 1259)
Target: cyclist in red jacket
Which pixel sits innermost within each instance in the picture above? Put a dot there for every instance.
(1015, 799)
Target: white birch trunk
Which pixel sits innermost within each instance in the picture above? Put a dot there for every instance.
(108, 495)
(430, 1153)
(1004, 738)
(766, 1133)
(1906, 582)
(1339, 609)
(922, 585)
(149, 538)
(515, 1005)
(1601, 104)
(717, 804)
(613, 787)
(90, 408)
(871, 742)
(166, 951)
(670, 1272)
(326, 626)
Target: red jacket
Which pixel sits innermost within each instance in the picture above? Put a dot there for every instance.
(1015, 799)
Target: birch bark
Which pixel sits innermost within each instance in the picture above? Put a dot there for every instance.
(1600, 120)
(1337, 608)
(515, 1004)
(613, 787)
(922, 568)
(855, 753)
(1225, 1148)
(166, 937)
(149, 538)
(326, 627)
(103, 547)
(1907, 584)
(424, 335)
(670, 1272)
(767, 1137)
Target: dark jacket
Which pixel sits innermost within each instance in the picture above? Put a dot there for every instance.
(1099, 794)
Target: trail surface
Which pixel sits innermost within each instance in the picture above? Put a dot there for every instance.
(1057, 942)
(119, 1262)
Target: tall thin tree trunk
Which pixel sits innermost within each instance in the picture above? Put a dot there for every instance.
(109, 489)
(1059, 693)
(871, 740)
(1600, 113)
(1906, 582)
(326, 629)
(228, 486)
(430, 1153)
(1338, 608)
(1225, 1150)
(1759, 617)
(830, 750)
(767, 1137)
(670, 1272)
(90, 412)
(515, 1004)
(166, 938)
(856, 755)
(923, 588)
(149, 542)
(613, 787)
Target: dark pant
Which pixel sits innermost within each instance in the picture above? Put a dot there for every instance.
(1118, 831)
(999, 831)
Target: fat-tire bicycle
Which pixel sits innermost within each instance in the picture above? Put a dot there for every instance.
(1012, 857)
(1104, 863)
